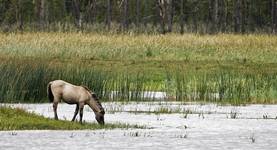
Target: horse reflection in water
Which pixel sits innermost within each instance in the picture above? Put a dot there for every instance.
(71, 94)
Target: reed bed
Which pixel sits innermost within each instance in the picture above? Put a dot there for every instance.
(27, 83)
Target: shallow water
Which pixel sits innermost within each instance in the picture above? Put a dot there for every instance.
(208, 127)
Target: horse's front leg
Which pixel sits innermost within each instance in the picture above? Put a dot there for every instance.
(55, 106)
(81, 108)
(76, 112)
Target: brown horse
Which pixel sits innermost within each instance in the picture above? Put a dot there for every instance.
(71, 94)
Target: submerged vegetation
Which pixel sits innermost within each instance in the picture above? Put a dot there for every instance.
(19, 119)
(222, 68)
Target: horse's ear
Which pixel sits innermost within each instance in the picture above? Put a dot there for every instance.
(94, 95)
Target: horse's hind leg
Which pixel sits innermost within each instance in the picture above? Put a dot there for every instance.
(55, 106)
(76, 112)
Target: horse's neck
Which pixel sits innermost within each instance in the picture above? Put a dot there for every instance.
(96, 106)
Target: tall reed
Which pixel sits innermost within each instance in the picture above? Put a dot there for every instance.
(26, 82)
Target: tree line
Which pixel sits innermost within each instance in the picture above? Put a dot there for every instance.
(200, 16)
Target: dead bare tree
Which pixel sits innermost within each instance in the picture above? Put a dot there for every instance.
(273, 15)
(138, 3)
(41, 9)
(109, 14)
(169, 10)
(90, 11)
(224, 18)
(19, 14)
(215, 16)
(77, 13)
(182, 17)
(166, 11)
(162, 4)
(237, 16)
(125, 22)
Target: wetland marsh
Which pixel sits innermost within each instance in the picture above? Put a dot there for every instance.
(186, 91)
(190, 126)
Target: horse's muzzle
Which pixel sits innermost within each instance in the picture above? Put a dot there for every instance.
(100, 119)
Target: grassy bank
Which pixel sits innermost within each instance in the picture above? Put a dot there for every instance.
(213, 68)
(19, 119)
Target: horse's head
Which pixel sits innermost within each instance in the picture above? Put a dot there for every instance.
(98, 109)
(100, 118)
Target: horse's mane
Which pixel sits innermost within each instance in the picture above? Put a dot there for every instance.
(92, 93)
(94, 96)
(85, 87)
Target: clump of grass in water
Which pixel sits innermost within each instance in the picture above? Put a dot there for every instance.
(252, 138)
(223, 87)
(19, 119)
(163, 110)
(138, 134)
(183, 136)
(233, 114)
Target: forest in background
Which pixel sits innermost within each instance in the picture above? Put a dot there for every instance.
(146, 16)
(227, 53)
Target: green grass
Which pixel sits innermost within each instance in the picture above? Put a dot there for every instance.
(19, 119)
(222, 68)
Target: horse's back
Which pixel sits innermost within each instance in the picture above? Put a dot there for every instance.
(59, 83)
(63, 85)
(68, 92)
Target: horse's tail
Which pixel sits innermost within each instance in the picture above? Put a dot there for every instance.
(49, 92)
